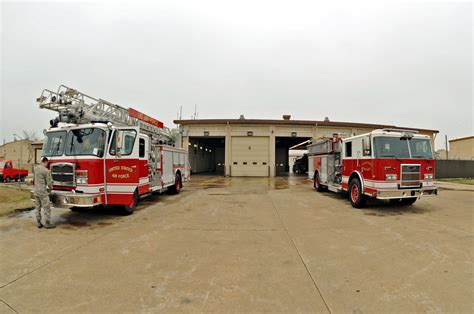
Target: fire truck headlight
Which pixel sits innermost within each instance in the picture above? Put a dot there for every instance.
(428, 176)
(81, 180)
(82, 177)
(390, 177)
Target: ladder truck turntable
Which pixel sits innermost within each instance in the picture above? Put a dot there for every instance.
(392, 164)
(101, 153)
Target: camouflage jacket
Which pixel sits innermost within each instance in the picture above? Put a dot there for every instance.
(43, 181)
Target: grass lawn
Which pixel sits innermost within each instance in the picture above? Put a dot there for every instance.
(12, 199)
(461, 181)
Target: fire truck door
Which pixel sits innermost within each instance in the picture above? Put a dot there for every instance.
(122, 162)
(143, 152)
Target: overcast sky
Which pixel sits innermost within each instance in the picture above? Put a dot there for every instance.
(404, 63)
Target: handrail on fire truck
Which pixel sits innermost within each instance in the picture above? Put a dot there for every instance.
(77, 107)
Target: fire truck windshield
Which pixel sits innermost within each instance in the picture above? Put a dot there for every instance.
(397, 147)
(420, 148)
(90, 141)
(54, 143)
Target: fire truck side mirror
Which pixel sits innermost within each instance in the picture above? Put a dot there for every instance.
(366, 147)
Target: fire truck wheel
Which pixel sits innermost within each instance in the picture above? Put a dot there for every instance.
(8, 180)
(317, 183)
(22, 178)
(128, 210)
(356, 196)
(176, 187)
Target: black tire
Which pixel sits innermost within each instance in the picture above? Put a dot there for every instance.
(128, 210)
(317, 183)
(8, 179)
(356, 195)
(178, 184)
(408, 201)
(22, 178)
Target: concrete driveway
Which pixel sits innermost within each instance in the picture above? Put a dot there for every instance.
(239, 245)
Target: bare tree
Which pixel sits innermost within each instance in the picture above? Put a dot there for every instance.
(30, 135)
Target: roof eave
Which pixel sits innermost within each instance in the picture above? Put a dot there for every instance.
(294, 122)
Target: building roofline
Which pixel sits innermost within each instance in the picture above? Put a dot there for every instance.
(294, 122)
(461, 138)
(15, 141)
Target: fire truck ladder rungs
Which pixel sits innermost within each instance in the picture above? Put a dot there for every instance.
(77, 107)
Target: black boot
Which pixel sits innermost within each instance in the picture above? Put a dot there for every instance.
(49, 225)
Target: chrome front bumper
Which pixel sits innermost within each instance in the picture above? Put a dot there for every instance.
(406, 193)
(69, 199)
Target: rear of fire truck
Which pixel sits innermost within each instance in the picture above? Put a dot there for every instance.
(389, 164)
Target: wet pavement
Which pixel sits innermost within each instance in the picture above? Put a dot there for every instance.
(244, 244)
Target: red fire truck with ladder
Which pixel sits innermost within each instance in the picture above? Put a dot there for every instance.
(104, 154)
(388, 164)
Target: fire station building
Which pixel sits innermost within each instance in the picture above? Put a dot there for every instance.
(257, 147)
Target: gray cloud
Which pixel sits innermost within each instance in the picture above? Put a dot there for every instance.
(406, 63)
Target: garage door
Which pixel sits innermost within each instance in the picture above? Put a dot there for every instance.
(250, 156)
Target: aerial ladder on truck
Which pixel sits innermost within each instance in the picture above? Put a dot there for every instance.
(76, 107)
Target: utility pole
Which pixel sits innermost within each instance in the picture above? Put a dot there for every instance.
(446, 144)
(21, 160)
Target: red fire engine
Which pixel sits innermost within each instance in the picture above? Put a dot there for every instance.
(103, 153)
(388, 164)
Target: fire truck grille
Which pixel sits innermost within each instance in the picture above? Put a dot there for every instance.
(63, 174)
(410, 175)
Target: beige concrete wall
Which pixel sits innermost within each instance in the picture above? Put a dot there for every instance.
(462, 149)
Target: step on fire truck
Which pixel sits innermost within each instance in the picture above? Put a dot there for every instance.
(388, 164)
(104, 154)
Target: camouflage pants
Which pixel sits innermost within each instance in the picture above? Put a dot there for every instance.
(42, 201)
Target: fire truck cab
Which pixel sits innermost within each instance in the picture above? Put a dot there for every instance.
(102, 153)
(391, 164)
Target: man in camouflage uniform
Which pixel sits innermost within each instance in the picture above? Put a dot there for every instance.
(43, 183)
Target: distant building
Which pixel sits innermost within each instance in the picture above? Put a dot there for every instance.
(441, 154)
(258, 147)
(20, 152)
(24, 153)
(37, 151)
(462, 148)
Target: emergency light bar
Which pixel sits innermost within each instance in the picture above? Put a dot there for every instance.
(400, 130)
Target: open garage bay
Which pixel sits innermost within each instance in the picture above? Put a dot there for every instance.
(244, 244)
(207, 155)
